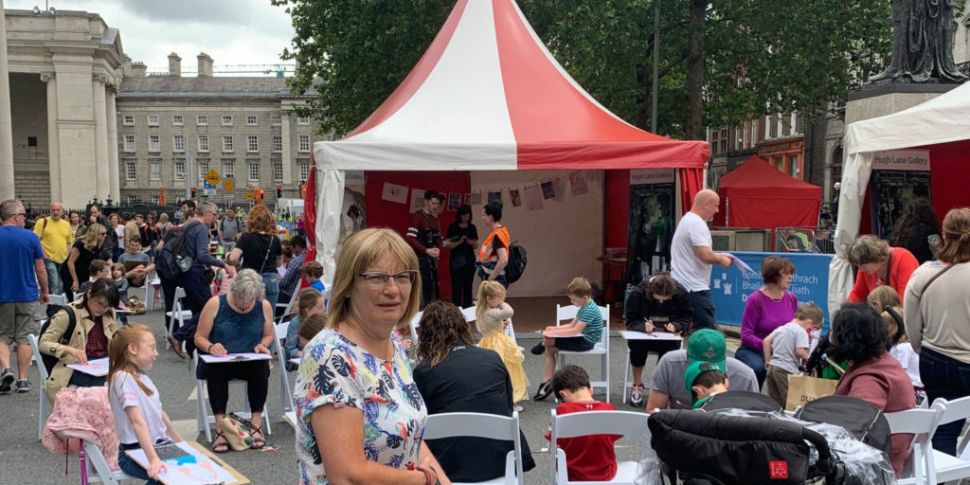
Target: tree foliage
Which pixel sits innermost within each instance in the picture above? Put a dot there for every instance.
(758, 57)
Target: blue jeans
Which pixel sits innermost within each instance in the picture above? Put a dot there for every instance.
(272, 283)
(131, 467)
(950, 379)
(753, 359)
(54, 285)
(703, 308)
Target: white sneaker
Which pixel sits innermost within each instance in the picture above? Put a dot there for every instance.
(636, 396)
(519, 408)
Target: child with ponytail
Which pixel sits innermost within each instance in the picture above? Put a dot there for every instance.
(491, 317)
(139, 418)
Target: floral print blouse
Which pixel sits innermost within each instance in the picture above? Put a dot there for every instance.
(335, 371)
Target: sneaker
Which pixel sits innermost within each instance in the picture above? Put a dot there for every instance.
(538, 349)
(636, 396)
(23, 386)
(518, 408)
(544, 390)
(6, 379)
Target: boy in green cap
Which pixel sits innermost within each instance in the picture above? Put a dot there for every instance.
(704, 380)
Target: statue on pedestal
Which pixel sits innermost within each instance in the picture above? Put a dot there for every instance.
(923, 37)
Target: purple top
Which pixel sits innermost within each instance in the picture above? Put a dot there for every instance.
(762, 315)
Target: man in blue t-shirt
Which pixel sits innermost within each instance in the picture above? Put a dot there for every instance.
(21, 269)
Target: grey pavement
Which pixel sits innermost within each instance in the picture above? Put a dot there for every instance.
(24, 460)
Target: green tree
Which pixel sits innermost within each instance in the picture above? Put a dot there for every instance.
(721, 61)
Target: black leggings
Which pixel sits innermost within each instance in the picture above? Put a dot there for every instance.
(255, 373)
(461, 286)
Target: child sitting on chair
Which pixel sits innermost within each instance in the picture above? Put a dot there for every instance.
(98, 269)
(704, 380)
(139, 419)
(588, 458)
(311, 272)
(579, 335)
(491, 319)
(786, 349)
(902, 350)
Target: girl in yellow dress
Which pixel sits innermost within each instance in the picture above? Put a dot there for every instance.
(491, 317)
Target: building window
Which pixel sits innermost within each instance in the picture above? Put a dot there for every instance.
(132, 199)
(277, 143)
(303, 120)
(154, 169)
(179, 165)
(153, 120)
(130, 173)
(153, 144)
(253, 166)
(304, 169)
(177, 120)
(203, 143)
(226, 120)
(154, 199)
(304, 143)
(227, 143)
(277, 120)
(251, 120)
(203, 168)
(277, 171)
(129, 143)
(228, 167)
(128, 120)
(793, 165)
(252, 143)
(202, 120)
(179, 143)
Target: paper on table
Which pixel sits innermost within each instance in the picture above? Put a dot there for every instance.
(631, 335)
(246, 356)
(96, 367)
(203, 471)
(740, 264)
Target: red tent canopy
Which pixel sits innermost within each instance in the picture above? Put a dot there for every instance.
(755, 194)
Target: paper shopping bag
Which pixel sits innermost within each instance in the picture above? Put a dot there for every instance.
(802, 389)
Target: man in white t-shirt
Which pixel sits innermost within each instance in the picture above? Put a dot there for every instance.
(691, 257)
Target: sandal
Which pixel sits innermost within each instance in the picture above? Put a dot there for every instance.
(258, 441)
(220, 447)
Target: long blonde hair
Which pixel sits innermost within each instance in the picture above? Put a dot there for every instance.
(118, 360)
(359, 251)
(91, 242)
(488, 289)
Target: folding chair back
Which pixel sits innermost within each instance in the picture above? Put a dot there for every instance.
(281, 330)
(479, 425)
(921, 423)
(177, 313)
(415, 323)
(59, 299)
(953, 468)
(567, 312)
(602, 348)
(469, 313)
(288, 306)
(42, 394)
(623, 423)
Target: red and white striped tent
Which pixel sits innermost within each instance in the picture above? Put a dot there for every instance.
(488, 95)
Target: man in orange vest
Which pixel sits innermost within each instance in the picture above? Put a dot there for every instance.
(493, 255)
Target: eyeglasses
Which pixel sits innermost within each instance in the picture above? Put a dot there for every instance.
(379, 280)
(21, 214)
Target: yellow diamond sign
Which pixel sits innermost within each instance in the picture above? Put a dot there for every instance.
(229, 185)
(212, 177)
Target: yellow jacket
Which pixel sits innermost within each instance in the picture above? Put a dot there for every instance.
(50, 344)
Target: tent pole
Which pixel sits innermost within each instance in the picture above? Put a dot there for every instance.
(655, 85)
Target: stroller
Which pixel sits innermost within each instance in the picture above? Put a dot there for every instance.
(728, 446)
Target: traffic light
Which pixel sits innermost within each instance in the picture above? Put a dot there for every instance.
(279, 191)
(193, 192)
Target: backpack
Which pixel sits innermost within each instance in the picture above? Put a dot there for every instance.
(49, 360)
(175, 257)
(518, 259)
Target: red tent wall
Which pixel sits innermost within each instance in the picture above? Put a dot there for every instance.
(382, 213)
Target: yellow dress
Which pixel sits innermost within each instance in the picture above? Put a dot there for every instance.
(494, 338)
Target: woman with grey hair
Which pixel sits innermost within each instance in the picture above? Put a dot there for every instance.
(237, 322)
(879, 264)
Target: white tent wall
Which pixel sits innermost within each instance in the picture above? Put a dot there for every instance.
(563, 238)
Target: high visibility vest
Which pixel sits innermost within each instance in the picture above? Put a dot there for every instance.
(487, 257)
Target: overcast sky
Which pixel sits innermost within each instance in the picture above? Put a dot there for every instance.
(232, 32)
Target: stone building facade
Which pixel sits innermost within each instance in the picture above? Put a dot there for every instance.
(172, 130)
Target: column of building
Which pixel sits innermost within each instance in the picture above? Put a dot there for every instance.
(53, 137)
(101, 170)
(287, 144)
(6, 123)
(114, 184)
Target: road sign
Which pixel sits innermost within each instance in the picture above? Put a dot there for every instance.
(212, 177)
(207, 186)
(249, 195)
(229, 185)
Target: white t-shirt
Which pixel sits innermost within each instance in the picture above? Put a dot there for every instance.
(124, 393)
(786, 339)
(903, 352)
(692, 273)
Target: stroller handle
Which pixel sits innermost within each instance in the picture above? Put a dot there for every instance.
(825, 463)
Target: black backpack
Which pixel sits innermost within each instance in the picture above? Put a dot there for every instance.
(518, 259)
(50, 360)
(175, 257)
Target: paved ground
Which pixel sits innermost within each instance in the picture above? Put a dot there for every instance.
(23, 460)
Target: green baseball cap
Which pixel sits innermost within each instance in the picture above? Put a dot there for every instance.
(697, 368)
(707, 345)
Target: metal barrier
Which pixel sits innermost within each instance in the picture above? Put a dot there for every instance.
(805, 239)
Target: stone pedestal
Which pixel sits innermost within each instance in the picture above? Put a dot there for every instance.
(880, 100)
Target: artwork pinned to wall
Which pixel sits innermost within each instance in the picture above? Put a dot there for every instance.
(548, 189)
(497, 196)
(516, 197)
(533, 198)
(417, 200)
(474, 198)
(395, 193)
(454, 201)
(578, 183)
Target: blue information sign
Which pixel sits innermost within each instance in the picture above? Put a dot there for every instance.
(730, 288)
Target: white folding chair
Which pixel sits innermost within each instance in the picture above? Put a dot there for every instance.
(414, 324)
(469, 314)
(602, 348)
(952, 468)
(145, 287)
(623, 423)
(921, 423)
(58, 299)
(478, 425)
(288, 306)
(42, 392)
(177, 313)
(281, 329)
(204, 420)
(98, 470)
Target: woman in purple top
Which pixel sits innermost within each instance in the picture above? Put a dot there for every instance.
(766, 309)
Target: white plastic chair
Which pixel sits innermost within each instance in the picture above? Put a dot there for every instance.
(42, 390)
(952, 468)
(602, 348)
(97, 467)
(57, 299)
(204, 420)
(478, 425)
(922, 423)
(469, 314)
(414, 324)
(177, 313)
(288, 306)
(624, 423)
(281, 329)
(146, 287)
